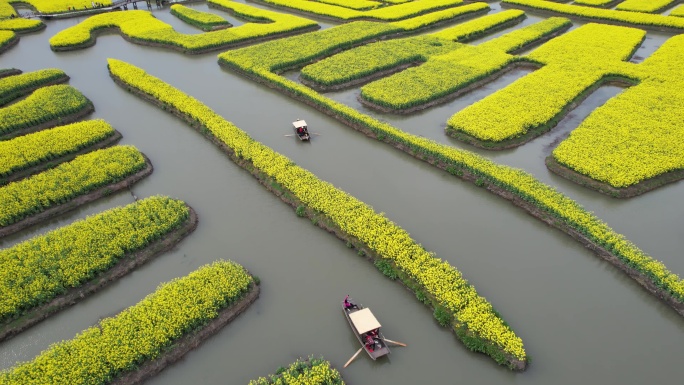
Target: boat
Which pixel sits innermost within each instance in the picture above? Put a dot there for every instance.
(301, 130)
(366, 328)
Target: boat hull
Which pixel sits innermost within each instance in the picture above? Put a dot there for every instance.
(379, 347)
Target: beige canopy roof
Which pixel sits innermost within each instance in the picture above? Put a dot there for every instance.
(299, 123)
(364, 321)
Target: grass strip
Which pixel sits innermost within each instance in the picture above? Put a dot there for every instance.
(646, 6)
(635, 19)
(28, 197)
(595, 3)
(634, 142)
(359, 5)
(141, 27)
(51, 146)
(521, 188)
(7, 40)
(203, 20)
(58, 6)
(312, 371)
(574, 64)
(445, 75)
(46, 273)
(481, 327)
(45, 107)
(147, 331)
(21, 25)
(365, 63)
(678, 12)
(14, 87)
(389, 13)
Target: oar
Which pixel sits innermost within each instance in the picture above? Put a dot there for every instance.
(315, 133)
(289, 135)
(354, 356)
(395, 342)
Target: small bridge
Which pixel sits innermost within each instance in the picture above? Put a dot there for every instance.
(117, 5)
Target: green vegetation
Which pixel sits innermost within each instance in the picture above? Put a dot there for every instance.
(35, 271)
(13, 87)
(138, 334)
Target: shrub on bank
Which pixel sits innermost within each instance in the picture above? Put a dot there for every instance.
(313, 371)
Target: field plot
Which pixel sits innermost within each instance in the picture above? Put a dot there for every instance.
(141, 27)
(399, 188)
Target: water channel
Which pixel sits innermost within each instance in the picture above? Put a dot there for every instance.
(581, 320)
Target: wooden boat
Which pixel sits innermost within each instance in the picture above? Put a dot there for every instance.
(301, 130)
(365, 325)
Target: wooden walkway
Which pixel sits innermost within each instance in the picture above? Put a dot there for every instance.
(116, 5)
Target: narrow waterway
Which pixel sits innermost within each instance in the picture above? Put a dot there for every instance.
(582, 321)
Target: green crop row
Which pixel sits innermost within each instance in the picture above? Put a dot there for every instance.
(534, 103)
(438, 77)
(312, 371)
(594, 3)
(6, 10)
(6, 38)
(524, 37)
(21, 25)
(647, 6)
(351, 216)
(636, 18)
(438, 17)
(297, 51)
(13, 87)
(481, 26)
(566, 214)
(678, 12)
(385, 55)
(638, 134)
(359, 5)
(43, 105)
(58, 6)
(444, 74)
(369, 59)
(30, 196)
(143, 27)
(389, 13)
(203, 20)
(140, 333)
(41, 268)
(29, 150)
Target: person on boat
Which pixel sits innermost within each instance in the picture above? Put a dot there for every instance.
(348, 304)
(300, 131)
(373, 333)
(370, 343)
